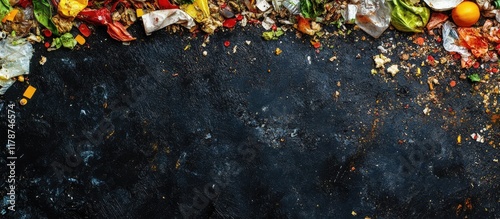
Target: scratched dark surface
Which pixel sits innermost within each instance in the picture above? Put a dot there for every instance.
(152, 130)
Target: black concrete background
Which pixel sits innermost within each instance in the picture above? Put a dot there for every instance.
(152, 130)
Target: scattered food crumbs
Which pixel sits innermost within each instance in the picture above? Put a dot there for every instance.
(23, 101)
(333, 58)
(235, 48)
(495, 160)
(205, 53)
(278, 51)
(354, 213)
(43, 59)
(20, 78)
(248, 42)
(453, 83)
(459, 139)
(427, 110)
(380, 60)
(477, 137)
(393, 69)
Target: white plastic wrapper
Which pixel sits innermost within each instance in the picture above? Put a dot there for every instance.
(159, 19)
(373, 16)
(350, 14)
(15, 56)
(442, 5)
(293, 6)
(450, 38)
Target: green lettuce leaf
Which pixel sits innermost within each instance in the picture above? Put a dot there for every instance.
(407, 17)
(312, 8)
(4, 8)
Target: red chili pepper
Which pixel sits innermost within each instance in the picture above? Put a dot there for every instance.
(118, 32)
(47, 44)
(165, 4)
(229, 23)
(24, 3)
(84, 29)
(100, 16)
(47, 32)
(239, 17)
(227, 43)
(274, 27)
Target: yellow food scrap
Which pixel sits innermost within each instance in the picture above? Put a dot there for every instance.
(10, 16)
(278, 51)
(80, 39)
(23, 101)
(71, 8)
(419, 72)
(380, 60)
(459, 139)
(178, 164)
(139, 12)
(28, 93)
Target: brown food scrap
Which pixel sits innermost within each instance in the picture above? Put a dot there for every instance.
(63, 25)
(458, 209)
(468, 204)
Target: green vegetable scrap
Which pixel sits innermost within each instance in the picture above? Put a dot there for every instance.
(408, 17)
(4, 8)
(312, 8)
(66, 40)
(273, 35)
(43, 14)
(474, 77)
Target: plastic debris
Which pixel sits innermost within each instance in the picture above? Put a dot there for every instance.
(450, 39)
(373, 17)
(15, 56)
(156, 20)
(293, 6)
(407, 17)
(442, 5)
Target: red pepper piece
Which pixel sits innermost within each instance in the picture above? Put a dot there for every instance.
(239, 17)
(47, 32)
(100, 16)
(227, 43)
(229, 23)
(24, 3)
(47, 44)
(118, 32)
(165, 4)
(84, 30)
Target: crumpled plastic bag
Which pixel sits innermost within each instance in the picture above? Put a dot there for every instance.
(407, 17)
(373, 17)
(450, 41)
(293, 6)
(159, 19)
(443, 5)
(15, 56)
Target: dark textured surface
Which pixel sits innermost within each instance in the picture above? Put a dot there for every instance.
(152, 130)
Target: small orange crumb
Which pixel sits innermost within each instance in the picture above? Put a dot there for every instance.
(23, 101)
(419, 41)
(29, 92)
(453, 83)
(80, 39)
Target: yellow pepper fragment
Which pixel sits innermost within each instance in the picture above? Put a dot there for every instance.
(139, 12)
(71, 8)
(10, 16)
(28, 93)
(80, 39)
(459, 139)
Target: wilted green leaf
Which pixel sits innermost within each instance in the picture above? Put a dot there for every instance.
(273, 35)
(66, 40)
(407, 17)
(474, 77)
(43, 14)
(312, 8)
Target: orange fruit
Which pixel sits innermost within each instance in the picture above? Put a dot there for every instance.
(465, 14)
